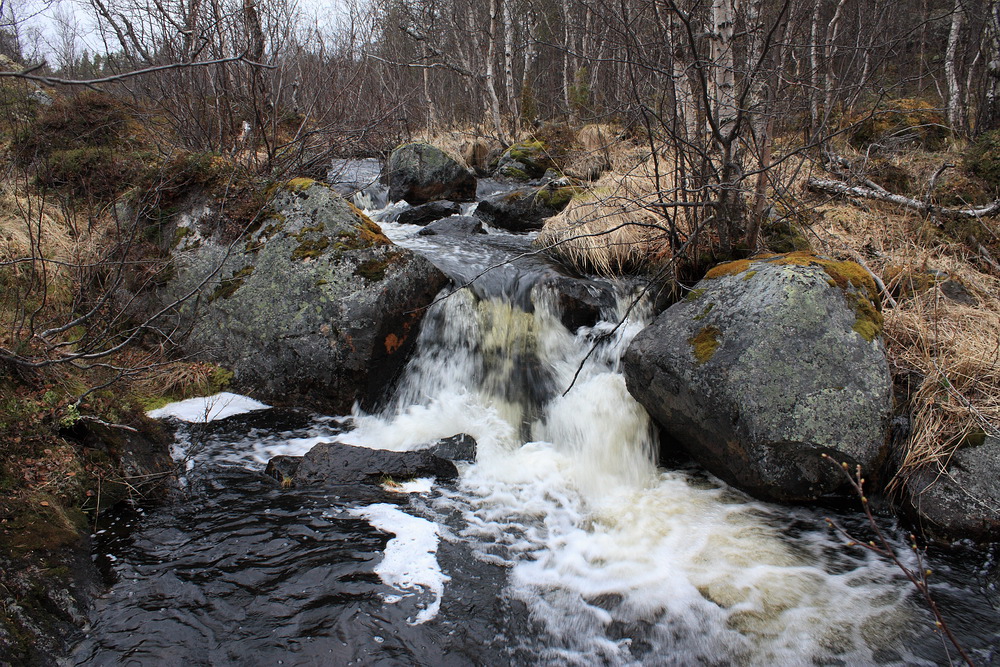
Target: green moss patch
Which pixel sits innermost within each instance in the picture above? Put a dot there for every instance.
(705, 343)
(228, 286)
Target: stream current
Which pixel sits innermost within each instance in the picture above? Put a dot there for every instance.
(562, 544)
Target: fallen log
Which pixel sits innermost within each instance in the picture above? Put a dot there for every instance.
(833, 187)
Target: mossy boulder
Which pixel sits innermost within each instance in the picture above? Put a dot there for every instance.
(421, 173)
(898, 123)
(525, 209)
(961, 500)
(524, 161)
(771, 363)
(316, 308)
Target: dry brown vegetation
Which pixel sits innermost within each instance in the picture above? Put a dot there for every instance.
(942, 299)
(943, 331)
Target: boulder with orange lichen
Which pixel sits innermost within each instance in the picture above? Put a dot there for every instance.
(766, 366)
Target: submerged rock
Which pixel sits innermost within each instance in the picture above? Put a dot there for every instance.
(461, 447)
(768, 364)
(334, 463)
(456, 225)
(524, 209)
(427, 213)
(579, 302)
(962, 499)
(421, 173)
(316, 308)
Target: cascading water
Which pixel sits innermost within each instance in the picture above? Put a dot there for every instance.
(562, 544)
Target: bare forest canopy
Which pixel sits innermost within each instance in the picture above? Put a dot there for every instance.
(386, 67)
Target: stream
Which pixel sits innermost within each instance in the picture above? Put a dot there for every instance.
(563, 543)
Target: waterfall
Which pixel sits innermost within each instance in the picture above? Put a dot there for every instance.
(619, 562)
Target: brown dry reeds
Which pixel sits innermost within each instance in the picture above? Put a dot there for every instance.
(954, 347)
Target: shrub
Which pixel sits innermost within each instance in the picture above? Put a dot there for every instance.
(982, 159)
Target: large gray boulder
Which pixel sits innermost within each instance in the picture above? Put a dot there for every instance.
(961, 499)
(421, 173)
(316, 308)
(767, 365)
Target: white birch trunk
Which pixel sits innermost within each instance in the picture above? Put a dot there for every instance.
(956, 108)
(723, 65)
(491, 83)
(814, 58)
(508, 65)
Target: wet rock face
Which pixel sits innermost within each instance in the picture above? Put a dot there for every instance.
(456, 225)
(334, 463)
(767, 365)
(963, 500)
(421, 173)
(317, 308)
(524, 209)
(428, 213)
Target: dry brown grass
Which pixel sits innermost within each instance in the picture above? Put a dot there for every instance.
(31, 227)
(613, 227)
(943, 352)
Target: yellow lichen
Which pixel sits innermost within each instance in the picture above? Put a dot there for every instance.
(705, 343)
(299, 184)
(856, 283)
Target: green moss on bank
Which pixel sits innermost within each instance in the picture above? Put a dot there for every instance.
(705, 343)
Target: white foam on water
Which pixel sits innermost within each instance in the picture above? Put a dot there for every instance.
(420, 485)
(208, 408)
(619, 562)
(409, 564)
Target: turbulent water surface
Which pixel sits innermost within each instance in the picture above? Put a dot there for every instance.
(562, 544)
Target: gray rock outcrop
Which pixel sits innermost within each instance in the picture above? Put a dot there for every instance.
(333, 463)
(316, 308)
(420, 173)
(767, 365)
(962, 500)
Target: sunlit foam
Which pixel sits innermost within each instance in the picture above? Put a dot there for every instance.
(409, 564)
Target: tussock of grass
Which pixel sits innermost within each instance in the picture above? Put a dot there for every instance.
(615, 227)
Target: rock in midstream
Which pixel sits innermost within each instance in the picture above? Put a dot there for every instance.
(766, 366)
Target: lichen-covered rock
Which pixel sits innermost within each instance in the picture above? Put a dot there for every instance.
(524, 209)
(317, 307)
(421, 173)
(962, 501)
(768, 364)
